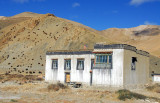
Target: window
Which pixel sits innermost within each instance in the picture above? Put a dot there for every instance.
(110, 58)
(80, 64)
(101, 58)
(54, 64)
(103, 61)
(133, 64)
(67, 65)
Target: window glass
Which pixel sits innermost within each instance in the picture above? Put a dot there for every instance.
(54, 64)
(80, 64)
(133, 64)
(103, 61)
(110, 58)
(67, 64)
(101, 58)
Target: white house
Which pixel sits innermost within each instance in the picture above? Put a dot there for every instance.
(107, 65)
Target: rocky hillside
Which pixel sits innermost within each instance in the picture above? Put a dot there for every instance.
(6, 21)
(23, 45)
(145, 37)
(25, 41)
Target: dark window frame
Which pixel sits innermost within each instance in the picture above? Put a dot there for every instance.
(65, 64)
(82, 60)
(133, 63)
(53, 65)
(105, 61)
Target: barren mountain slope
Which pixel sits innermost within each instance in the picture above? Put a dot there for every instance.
(2, 17)
(23, 45)
(145, 37)
(6, 21)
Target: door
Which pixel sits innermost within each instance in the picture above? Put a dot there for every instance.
(67, 77)
(91, 74)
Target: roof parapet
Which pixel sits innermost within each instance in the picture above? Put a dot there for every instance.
(121, 46)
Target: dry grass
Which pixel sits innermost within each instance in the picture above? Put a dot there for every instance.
(154, 88)
(19, 78)
(56, 87)
(126, 94)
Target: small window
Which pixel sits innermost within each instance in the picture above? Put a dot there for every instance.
(67, 65)
(54, 64)
(133, 64)
(80, 64)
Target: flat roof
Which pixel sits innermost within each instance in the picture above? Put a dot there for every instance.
(98, 46)
(69, 52)
(121, 46)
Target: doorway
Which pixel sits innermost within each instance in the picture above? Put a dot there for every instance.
(67, 77)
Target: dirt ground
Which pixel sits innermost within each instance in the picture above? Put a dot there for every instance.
(32, 89)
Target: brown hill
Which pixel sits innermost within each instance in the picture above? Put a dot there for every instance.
(24, 42)
(145, 37)
(23, 45)
(6, 21)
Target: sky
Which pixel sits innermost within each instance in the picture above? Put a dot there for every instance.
(97, 14)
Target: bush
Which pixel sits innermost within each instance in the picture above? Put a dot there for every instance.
(53, 87)
(62, 86)
(13, 100)
(155, 88)
(56, 87)
(126, 94)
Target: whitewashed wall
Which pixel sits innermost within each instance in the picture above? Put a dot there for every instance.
(106, 77)
(114, 76)
(140, 76)
(120, 74)
(156, 78)
(75, 75)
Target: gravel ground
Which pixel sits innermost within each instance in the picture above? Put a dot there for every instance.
(37, 92)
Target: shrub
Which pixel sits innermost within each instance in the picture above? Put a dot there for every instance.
(53, 87)
(56, 87)
(126, 94)
(155, 88)
(13, 100)
(62, 86)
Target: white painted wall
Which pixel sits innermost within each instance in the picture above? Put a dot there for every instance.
(140, 76)
(156, 78)
(110, 77)
(76, 75)
(106, 77)
(120, 74)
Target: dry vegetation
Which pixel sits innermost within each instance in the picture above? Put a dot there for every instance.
(154, 88)
(20, 79)
(56, 87)
(126, 94)
(42, 92)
